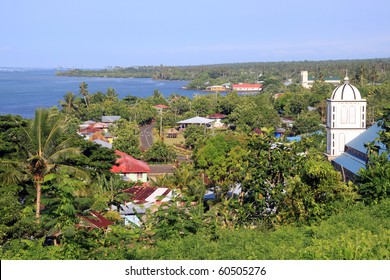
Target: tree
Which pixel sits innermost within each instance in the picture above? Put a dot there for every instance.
(160, 152)
(44, 149)
(84, 92)
(374, 181)
(126, 137)
(111, 94)
(69, 103)
(307, 122)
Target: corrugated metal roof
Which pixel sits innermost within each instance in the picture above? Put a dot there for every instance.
(110, 119)
(350, 162)
(196, 120)
(128, 164)
(103, 143)
(366, 137)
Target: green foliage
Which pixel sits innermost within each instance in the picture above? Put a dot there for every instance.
(374, 181)
(127, 137)
(357, 232)
(254, 112)
(93, 157)
(174, 219)
(194, 134)
(223, 160)
(190, 183)
(307, 122)
(160, 152)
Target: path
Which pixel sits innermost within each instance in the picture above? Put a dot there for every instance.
(146, 136)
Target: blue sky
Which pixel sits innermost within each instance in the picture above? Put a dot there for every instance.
(96, 34)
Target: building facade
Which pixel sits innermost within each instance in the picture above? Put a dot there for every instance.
(308, 81)
(346, 117)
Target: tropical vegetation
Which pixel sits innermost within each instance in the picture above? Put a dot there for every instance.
(242, 194)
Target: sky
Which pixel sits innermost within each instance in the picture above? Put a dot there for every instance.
(101, 33)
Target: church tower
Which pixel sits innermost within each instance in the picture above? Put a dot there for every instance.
(346, 118)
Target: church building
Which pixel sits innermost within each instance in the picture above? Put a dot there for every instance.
(346, 131)
(346, 118)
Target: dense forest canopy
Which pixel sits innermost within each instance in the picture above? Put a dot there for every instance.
(370, 70)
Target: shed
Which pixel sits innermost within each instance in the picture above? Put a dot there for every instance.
(172, 133)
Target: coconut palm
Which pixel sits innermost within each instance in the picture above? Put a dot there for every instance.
(44, 150)
(84, 92)
(69, 103)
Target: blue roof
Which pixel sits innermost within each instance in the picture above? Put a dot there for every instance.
(350, 162)
(366, 137)
(294, 138)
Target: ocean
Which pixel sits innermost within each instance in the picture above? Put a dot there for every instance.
(22, 90)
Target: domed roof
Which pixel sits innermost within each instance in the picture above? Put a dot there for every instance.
(346, 91)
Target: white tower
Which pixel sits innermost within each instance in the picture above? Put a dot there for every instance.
(305, 79)
(346, 117)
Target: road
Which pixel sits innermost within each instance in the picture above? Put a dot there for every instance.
(146, 136)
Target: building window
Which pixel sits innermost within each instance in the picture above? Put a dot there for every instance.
(139, 176)
(352, 115)
(344, 115)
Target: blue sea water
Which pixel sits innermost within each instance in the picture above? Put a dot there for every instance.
(22, 90)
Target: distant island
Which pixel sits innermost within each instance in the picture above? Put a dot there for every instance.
(203, 76)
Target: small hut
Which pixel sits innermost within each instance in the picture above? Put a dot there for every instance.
(172, 133)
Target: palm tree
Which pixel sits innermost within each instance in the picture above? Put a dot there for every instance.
(69, 102)
(84, 92)
(44, 152)
(111, 94)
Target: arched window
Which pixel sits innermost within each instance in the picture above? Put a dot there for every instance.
(352, 114)
(344, 115)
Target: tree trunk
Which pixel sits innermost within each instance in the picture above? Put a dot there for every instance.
(38, 205)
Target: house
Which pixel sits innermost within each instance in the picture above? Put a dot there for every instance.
(102, 143)
(94, 220)
(129, 168)
(241, 87)
(110, 119)
(217, 117)
(143, 198)
(161, 106)
(89, 130)
(216, 88)
(195, 120)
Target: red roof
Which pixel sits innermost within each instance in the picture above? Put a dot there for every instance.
(128, 164)
(141, 193)
(247, 86)
(161, 106)
(96, 220)
(216, 116)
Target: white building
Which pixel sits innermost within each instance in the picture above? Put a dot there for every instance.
(308, 81)
(346, 117)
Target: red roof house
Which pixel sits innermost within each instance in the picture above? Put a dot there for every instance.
(95, 220)
(130, 168)
(216, 116)
(247, 87)
(161, 106)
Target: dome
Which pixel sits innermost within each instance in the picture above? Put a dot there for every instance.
(346, 91)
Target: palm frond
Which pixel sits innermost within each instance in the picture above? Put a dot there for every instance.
(64, 153)
(77, 172)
